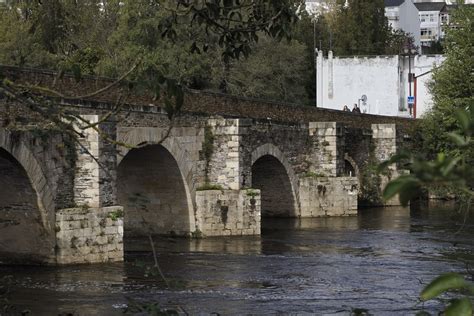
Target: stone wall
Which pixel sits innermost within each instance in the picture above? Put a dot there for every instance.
(322, 196)
(226, 159)
(327, 148)
(86, 180)
(357, 145)
(89, 235)
(288, 144)
(228, 212)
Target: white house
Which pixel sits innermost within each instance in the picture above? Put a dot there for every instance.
(403, 15)
(433, 16)
(383, 80)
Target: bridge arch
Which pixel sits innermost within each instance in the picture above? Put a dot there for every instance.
(152, 185)
(351, 168)
(274, 176)
(26, 205)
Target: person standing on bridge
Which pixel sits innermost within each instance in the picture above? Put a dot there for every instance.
(356, 109)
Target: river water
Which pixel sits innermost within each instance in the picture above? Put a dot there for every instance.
(379, 261)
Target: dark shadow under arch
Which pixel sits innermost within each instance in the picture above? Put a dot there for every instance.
(350, 167)
(151, 189)
(23, 238)
(270, 177)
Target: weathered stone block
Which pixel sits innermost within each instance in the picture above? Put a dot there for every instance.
(92, 236)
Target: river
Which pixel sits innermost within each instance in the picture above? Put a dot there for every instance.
(379, 261)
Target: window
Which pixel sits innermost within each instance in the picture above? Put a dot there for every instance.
(444, 18)
(426, 33)
(432, 17)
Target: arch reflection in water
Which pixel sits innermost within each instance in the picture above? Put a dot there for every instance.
(151, 188)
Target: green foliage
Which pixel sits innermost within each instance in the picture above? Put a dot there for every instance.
(210, 187)
(447, 154)
(443, 283)
(275, 70)
(115, 215)
(370, 181)
(311, 174)
(452, 88)
(370, 192)
(448, 141)
(236, 24)
(445, 170)
(197, 234)
(207, 149)
(368, 27)
(450, 282)
(360, 28)
(252, 193)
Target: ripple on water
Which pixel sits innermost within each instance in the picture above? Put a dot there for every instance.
(378, 261)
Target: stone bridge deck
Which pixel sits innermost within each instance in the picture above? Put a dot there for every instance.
(227, 164)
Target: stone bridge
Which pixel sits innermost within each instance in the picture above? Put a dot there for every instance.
(223, 167)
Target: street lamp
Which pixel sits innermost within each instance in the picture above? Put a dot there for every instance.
(409, 52)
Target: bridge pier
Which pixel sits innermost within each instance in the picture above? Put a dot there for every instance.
(228, 212)
(386, 140)
(324, 190)
(235, 209)
(92, 231)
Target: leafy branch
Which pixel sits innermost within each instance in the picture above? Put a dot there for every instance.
(443, 171)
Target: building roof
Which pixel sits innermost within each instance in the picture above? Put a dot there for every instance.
(431, 6)
(394, 3)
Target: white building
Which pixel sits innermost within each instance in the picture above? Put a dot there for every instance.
(382, 79)
(433, 17)
(403, 15)
(315, 6)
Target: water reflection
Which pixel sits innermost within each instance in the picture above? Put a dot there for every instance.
(328, 265)
(233, 245)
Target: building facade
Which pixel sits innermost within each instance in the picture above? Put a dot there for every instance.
(379, 84)
(403, 15)
(433, 19)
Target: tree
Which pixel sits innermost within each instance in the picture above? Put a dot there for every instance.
(52, 34)
(360, 28)
(275, 70)
(452, 88)
(357, 27)
(64, 33)
(448, 133)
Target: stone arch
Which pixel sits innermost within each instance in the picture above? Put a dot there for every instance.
(139, 137)
(270, 157)
(348, 160)
(36, 177)
(26, 205)
(165, 197)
